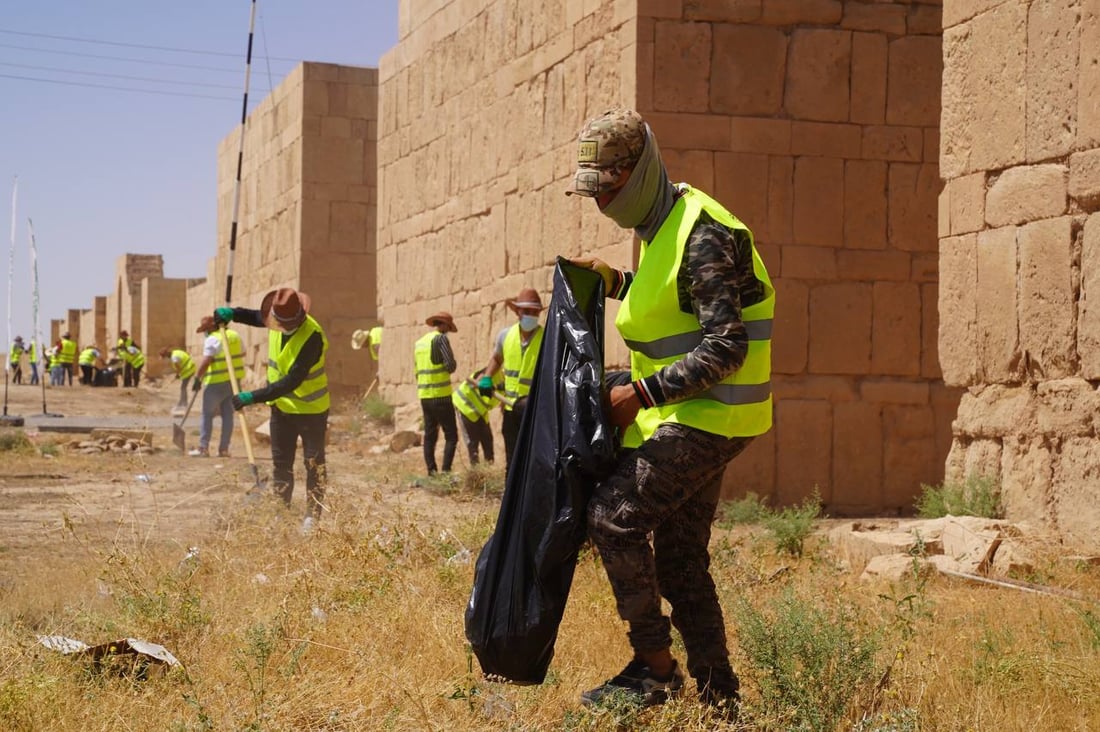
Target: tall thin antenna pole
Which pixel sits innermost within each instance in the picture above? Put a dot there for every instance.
(11, 280)
(240, 162)
(39, 352)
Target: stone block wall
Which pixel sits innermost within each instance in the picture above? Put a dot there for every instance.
(124, 302)
(163, 320)
(1019, 228)
(306, 211)
(72, 325)
(816, 122)
(93, 325)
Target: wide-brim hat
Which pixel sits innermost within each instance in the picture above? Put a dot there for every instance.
(284, 308)
(207, 325)
(442, 318)
(528, 298)
(359, 339)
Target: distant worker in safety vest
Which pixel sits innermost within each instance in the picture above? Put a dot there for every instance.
(372, 339)
(297, 390)
(15, 360)
(89, 364)
(32, 358)
(184, 367)
(57, 371)
(516, 352)
(697, 318)
(126, 351)
(67, 356)
(473, 409)
(435, 362)
(213, 373)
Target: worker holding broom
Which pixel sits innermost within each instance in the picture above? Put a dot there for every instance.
(297, 390)
(213, 373)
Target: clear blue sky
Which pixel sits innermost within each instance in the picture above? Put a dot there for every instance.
(104, 171)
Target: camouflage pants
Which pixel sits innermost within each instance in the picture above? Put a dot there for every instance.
(669, 488)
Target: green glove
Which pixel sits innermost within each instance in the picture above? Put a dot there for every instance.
(242, 400)
(485, 386)
(223, 315)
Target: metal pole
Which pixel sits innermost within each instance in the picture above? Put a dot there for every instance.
(11, 280)
(38, 351)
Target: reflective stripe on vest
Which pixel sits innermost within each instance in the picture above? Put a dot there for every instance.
(432, 379)
(217, 372)
(469, 401)
(87, 357)
(186, 367)
(16, 354)
(311, 396)
(520, 363)
(659, 333)
(137, 360)
(68, 351)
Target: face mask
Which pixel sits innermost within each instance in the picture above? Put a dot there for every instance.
(645, 200)
(528, 322)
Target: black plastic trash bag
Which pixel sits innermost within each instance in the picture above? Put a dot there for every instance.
(565, 445)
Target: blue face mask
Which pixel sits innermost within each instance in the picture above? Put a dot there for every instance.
(528, 322)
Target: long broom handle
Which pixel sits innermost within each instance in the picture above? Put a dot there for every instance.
(11, 279)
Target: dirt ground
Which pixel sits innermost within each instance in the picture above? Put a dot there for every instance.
(63, 501)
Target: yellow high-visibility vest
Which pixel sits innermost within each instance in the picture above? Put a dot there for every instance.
(186, 367)
(432, 379)
(311, 396)
(68, 351)
(469, 401)
(519, 363)
(659, 333)
(217, 372)
(375, 336)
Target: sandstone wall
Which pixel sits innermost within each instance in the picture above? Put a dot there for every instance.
(124, 302)
(163, 320)
(815, 122)
(307, 188)
(93, 325)
(1019, 251)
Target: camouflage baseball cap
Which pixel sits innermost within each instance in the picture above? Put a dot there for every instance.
(608, 144)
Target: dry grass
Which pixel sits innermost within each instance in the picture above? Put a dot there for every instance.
(360, 627)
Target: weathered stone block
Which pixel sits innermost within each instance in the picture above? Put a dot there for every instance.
(874, 266)
(984, 95)
(803, 428)
(722, 11)
(958, 330)
(1088, 76)
(1076, 484)
(868, 78)
(792, 316)
(1088, 318)
(915, 81)
(857, 457)
(1052, 58)
(781, 199)
(967, 203)
(809, 263)
(682, 52)
(823, 138)
(865, 204)
(909, 455)
(750, 62)
(914, 190)
(740, 182)
(1084, 179)
(878, 17)
(995, 412)
(818, 75)
(1026, 193)
(1066, 407)
(1047, 299)
(795, 12)
(904, 144)
(840, 328)
(754, 135)
(998, 328)
(896, 329)
(819, 201)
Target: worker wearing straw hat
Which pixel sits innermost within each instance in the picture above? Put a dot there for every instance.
(435, 362)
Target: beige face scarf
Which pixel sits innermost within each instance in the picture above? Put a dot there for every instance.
(646, 199)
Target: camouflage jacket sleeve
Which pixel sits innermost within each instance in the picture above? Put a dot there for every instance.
(715, 279)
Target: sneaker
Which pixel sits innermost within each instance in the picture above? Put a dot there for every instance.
(636, 683)
(223, 453)
(199, 452)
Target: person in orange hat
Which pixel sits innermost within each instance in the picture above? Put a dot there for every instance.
(516, 350)
(435, 362)
(297, 390)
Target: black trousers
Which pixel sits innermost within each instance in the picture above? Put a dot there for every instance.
(128, 378)
(477, 433)
(285, 431)
(87, 374)
(509, 428)
(439, 413)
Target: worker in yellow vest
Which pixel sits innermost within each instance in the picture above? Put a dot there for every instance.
(435, 362)
(516, 352)
(213, 374)
(297, 390)
(473, 409)
(183, 366)
(89, 363)
(53, 362)
(66, 357)
(697, 318)
(15, 359)
(32, 358)
(125, 343)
